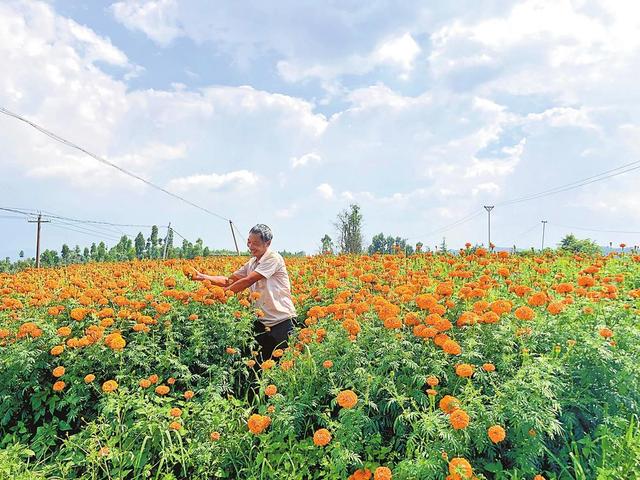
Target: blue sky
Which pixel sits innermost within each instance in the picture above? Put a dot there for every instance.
(286, 112)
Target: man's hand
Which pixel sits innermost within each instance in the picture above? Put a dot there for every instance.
(198, 276)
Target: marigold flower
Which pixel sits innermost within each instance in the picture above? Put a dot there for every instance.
(109, 386)
(171, 381)
(448, 404)
(347, 399)
(214, 436)
(144, 383)
(464, 370)
(488, 367)
(154, 378)
(432, 380)
(451, 347)
(496, 433)
(270, 390)
(57, 350)
(162, 390)
(321, 437)
(432, 392)
(382, 473)
(459, 419)
(64, 331)
(267, 364)
(360, 474)
(258, 423)
(175, 412)
(175, 425)
(58, 371)
(524, 313)
(103, 452)
(58, 386)
(188, 395)
(606, 333)
(89, 378)
(277, 353)
(231, 350)
(460, 469)
(327, 364)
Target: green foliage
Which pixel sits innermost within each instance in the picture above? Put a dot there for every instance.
(585, 247)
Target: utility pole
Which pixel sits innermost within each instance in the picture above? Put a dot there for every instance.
(39, 221)
(166, 244)
(234, 237)
(544, 224)
(488, 208)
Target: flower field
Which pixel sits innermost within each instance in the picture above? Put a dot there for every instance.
(478, 365)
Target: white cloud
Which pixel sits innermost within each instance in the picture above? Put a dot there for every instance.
(306, 159)
(288, 212)
(325, 190)
(237, 180)
(401, 51)
(157, 19)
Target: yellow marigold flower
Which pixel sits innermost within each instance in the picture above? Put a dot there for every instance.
(321, 437)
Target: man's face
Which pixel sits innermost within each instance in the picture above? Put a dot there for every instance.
(256, 246)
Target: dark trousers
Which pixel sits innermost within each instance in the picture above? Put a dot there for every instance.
(276, 337)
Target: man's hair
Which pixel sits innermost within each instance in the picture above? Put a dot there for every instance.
(262, 230)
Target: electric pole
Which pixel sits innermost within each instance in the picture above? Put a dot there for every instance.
(166, 244)
(544, 224)
(234, 237)
(488, 208)
(39, 221)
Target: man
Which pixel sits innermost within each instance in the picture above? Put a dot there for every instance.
(265, 274)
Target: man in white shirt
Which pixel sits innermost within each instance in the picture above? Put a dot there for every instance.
(265, 274)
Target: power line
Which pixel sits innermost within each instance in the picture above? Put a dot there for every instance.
(108, 163)
(630, 232)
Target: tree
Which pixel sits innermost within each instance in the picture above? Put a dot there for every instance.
(65, 253)
(21, 253)
(85, 254)
(139, 245)
(378, 244)
(349, 226)
(327, 247)
(154, 242)
(443, 245)
(571, 244)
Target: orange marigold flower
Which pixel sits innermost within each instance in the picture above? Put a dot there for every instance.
(448, 404)
(171, 380)
(89, 378)
(347, 399)
(321, 437)
(214, 436)
(57, 350)
(327, 364)
(361, 474)
(277, 353)
(231, 350)
(459, 419)
(496, 433)
(524, 313)
(270, 390)
(267, 364)
(58, 371)
(162, 389)
(464, 370)
(606, 333)
(58, 386)
(175, 412)
(460, 469)
(175, 425)
(188, 395)
(144, 383)
(109, 386)
(64, 331)
(258, 423)
(382, 473)
(432, 392)
(432, 381)
(488, 367)
(451, 347)
(103, 452)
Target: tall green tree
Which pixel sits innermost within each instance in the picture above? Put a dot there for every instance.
(349, 226)
(574, 245)
(139, 245)
(327, 247)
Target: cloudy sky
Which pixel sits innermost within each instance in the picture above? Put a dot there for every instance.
(286, 112)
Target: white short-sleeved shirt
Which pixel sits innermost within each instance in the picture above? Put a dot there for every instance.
(274, 289)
